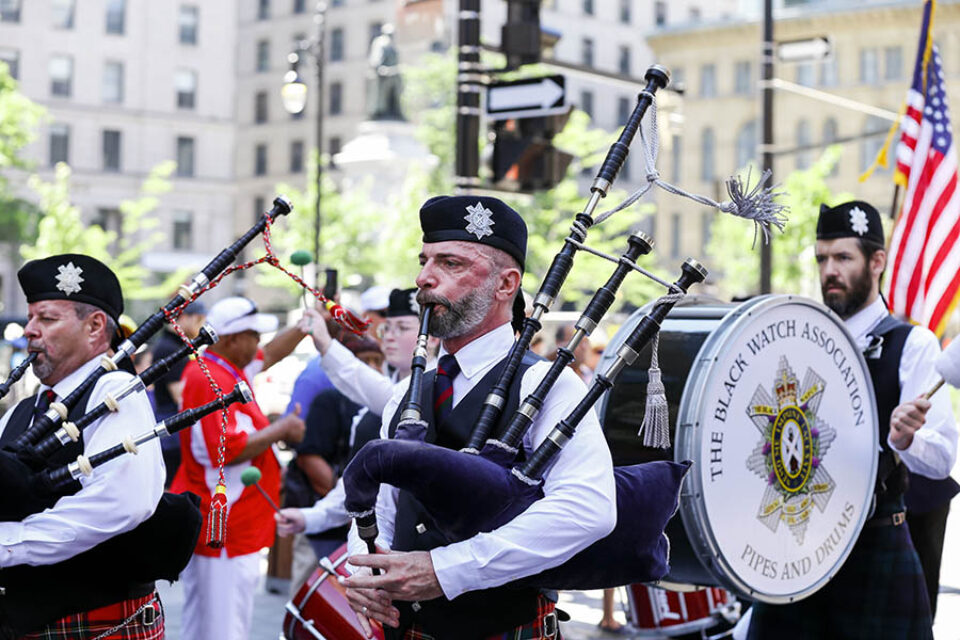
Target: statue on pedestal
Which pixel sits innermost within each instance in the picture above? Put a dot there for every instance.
(383, 78)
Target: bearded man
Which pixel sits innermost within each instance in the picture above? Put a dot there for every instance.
(880, 592)
(470, 269)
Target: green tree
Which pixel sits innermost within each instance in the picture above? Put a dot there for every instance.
(62, 230)
(735, 262)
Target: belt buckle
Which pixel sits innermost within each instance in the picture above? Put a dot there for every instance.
(550, 625)
(898, 518)
(150, 616)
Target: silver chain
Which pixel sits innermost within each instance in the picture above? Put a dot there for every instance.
(130, 619)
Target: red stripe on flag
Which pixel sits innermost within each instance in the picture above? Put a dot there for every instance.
(944, 304)
(930, 215)
(945, 245)
(908, 220)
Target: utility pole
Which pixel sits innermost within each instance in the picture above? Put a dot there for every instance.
(469, 88)
(766, 248)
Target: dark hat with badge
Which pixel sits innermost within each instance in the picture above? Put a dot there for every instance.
(74, 277)
(480, 219)
(403, 302)
(854, 219)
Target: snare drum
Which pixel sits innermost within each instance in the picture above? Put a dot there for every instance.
(320, 610)
(773, 403)
(658, 612)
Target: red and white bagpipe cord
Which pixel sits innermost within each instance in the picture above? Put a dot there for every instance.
(217, 518)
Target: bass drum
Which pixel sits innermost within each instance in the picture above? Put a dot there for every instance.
(320, 610)
(773, 403)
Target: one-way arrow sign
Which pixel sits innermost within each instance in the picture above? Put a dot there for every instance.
(527, 98)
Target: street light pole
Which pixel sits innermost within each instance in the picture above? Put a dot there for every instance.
(294, 94)
(766, 250)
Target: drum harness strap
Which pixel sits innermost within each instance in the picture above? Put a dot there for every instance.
(889, 461)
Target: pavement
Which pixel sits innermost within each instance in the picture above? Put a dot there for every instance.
(584, 607)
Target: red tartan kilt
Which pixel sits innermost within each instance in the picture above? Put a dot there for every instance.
(90, 624)
(533, 630)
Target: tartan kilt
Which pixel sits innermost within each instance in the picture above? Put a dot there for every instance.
(532, 630)
(878, 593)
(90, 624)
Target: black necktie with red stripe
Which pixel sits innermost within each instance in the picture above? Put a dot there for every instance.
(44, 399)
(447, 370)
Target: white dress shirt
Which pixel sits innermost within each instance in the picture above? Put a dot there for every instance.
(117, 497)
(355, 379)
(579, 503)
(934, 448)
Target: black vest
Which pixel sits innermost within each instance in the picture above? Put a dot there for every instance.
(31, 594)
(475, 614)
(883, 356)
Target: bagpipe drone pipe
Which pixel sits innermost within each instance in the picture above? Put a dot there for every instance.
(16, 374)
(158, 548)
(486, 485)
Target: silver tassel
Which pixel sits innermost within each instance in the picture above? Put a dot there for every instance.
(655, 427)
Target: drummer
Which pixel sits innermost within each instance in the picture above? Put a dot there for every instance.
(880, 591)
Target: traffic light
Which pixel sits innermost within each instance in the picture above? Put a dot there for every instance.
(520, 34)
(524, 158)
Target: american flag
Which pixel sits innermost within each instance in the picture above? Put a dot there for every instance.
(924, 257)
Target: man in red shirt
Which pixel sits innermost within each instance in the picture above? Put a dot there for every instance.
(219, 584)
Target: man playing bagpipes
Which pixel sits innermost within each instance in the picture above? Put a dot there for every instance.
(471, 266)
(74, 302)
(219, 583)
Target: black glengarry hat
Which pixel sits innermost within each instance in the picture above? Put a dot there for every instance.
(480, 219)
(403, 302)
(854, 219)
(74, 277)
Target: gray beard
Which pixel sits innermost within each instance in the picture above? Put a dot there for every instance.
(461, 317)
(42, 370)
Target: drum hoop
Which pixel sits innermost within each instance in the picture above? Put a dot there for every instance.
(692, 505)
(305, 624)
(329, 569)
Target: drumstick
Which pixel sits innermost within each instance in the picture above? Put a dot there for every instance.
(251, 476)
(933, 390)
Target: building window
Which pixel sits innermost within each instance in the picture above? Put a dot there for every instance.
(892, 63)
(743, 79)
(260, 107)
(59, 143)
(12, 58)
(707, 151)
(63, 11)
(334, 145)
(676, 158)
(61, 76)
(805, 74)
(108, 220)
(185, 152)
(336, 44)
(678, 79)
(625, 11)
(708, 81)
(828, 72)
(746, 144)
(675, 236)
(586, 103)
(260, 160)
(259, 207)
(263, 55)
(336, 98)
(182, 230)
(588, 7)
(624, 108)
(113, 81)
(111, 150)
(336, 3)
(296, 156)
(695, 14)
(299, 6)
(189, 20)
(873, 135)
(10, 10)
(586, 52)
(263, 10)
(375, 29)
(830, 137)
(186, 86)
(116, 16)
(804, 141)
(624, 60)
(660, 13)
(868, 66)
